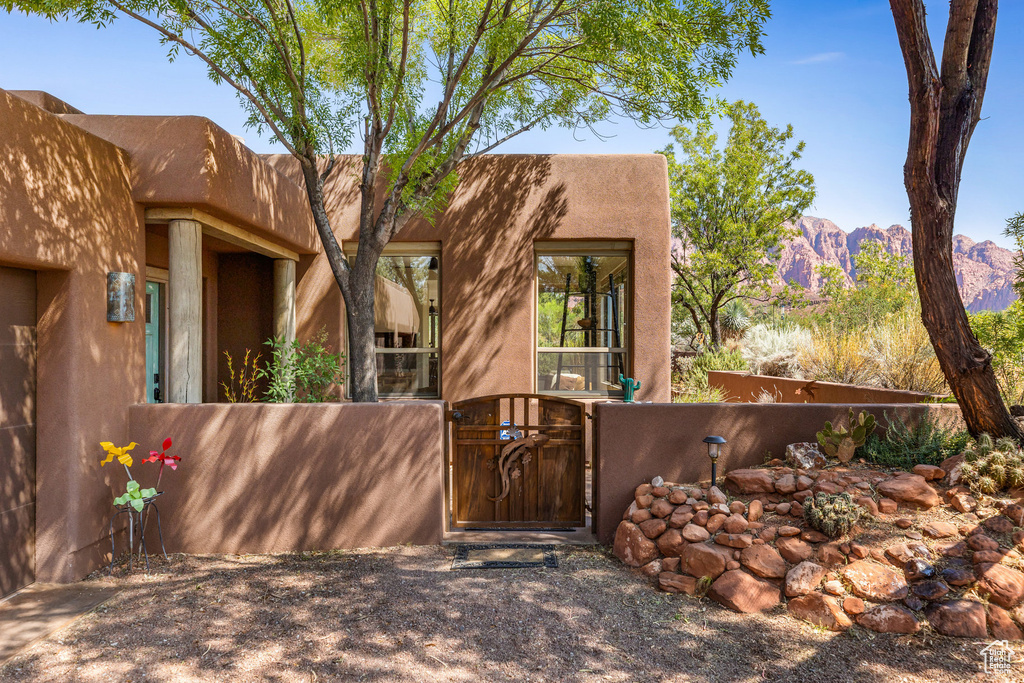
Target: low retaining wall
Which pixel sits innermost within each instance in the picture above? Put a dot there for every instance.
(743, 387)
(635, 442)
(262, 478)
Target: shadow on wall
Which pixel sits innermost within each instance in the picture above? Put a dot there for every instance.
(502, 205)
(66, 211)
(260, 478)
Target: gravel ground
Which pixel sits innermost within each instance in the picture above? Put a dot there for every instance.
(401, 614)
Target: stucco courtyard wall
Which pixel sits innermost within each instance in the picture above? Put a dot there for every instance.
(635, 442)
(487, 234)
(261, 478)
(66, 212)
(743, 387)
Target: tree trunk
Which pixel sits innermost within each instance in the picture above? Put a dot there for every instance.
(362, 360)
(715, 327)
(945, 107)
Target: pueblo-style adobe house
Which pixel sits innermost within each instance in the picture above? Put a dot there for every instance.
(546, 275)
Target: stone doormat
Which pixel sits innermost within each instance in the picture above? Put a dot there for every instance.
(39, 610)
(504, 556)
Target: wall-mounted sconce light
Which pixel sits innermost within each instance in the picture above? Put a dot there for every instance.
(715, 444)
(120, 297)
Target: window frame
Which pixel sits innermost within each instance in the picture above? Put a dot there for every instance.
(609, 248)
(415, 250)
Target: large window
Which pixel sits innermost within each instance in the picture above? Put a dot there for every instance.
(582, 326)
(407, 324)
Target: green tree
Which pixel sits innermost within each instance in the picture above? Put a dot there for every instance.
(429, 84)
(730, 209)
(1015, 231)
(884, 286)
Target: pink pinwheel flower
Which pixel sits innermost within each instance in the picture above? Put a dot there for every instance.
(163, 459)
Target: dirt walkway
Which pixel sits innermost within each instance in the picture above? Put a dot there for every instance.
(401, 615)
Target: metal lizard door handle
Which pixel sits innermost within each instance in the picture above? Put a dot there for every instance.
(510, 454)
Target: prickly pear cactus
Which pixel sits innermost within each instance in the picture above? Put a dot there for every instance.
(992, 467)
(841, 442)
(831, 514)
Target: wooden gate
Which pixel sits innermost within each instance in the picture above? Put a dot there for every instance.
(518, 462)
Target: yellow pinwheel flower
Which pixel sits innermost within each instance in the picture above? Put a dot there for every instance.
(121, 453)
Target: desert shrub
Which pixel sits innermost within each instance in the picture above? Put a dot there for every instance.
(831, 514)
(836, 355)
(991, 467)
(774, 350)
(928, 442)
(690, 376)
(734, 319)
(901, 355)
(302, 372)
(1002, 333)
(241, 386)
(683, 394)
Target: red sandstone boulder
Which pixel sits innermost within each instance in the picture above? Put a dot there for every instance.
(742, 592)
(653, 528)
(786, 484)
(735, 524)
(982, 542)
(1001, 625)
(747, 482)
(820, 610)
(677, 496)
(853, 606)
(735, 540)
(875, 582)
(910, 490)
(716, 496)
(699, 559)
(681, 517)
(939, 530)
(794, 549)
(889, 619)
(803, 578)
(959, 618)
(929, 472)
(764, 561)
(887, 506)
(671, 543)
(677, 583)
(999, 524)
(715, 523)
(695, 534)
(662, 508)
(632, 547)
(754, 510)
(1004, 586)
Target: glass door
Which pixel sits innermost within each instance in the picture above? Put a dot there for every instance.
(154, 342)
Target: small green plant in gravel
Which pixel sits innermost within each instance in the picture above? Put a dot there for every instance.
(993, 466)
(831, 514)
(928, 442)
(842, 442)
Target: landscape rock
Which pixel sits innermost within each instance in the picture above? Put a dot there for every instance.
(695, 534)
(803, 578)
(813, 536)
(794, 549)
(982, 542)
(652, 568)
(963, 502)
(653, 528)
(640, 516)
(754, 510)
(805, 456)
(662, 508)
(1001, 625)
(910, 490)
(875, 582)
(677, 583)
(833, 587)
(917, 569)
(887, 506)
(953, 467)
(930, 472)
(681, 517)
(632, 547)
(1004, 586)
(715, 495)
(735, 524)
(671, 543)
(786, 484)
(820, 610)
(734, 540)
(889, 619)
(737, 507)
(939, 529)
(715, 523)
(698, 559)
(789, 531)
(999, 524)
(749, 481)
(743, 592)
(930, 590)
(957, 576)
(764, 561)
(853, 605)
(959, 618)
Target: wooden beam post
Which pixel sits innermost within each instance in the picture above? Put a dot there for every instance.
(185, 319)
(284, 299)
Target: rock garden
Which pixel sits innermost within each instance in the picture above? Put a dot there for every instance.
(840, 544)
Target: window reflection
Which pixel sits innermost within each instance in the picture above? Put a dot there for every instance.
(406, 325)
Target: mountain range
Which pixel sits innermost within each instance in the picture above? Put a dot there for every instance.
(984, 270)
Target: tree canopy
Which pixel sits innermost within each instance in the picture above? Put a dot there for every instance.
(425, 85)
(730, 208)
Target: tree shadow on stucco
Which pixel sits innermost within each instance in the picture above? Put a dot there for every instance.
(401, 614)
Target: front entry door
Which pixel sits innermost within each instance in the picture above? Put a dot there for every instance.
(154, 342)
(17, 429)
(518, 462)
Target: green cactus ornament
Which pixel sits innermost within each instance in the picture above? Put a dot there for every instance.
(629, 387)
(842, 442)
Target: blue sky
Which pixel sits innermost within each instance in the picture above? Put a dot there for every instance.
(832, 69)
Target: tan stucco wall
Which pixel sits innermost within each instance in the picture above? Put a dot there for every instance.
(66, 211)
(743, 387)
(259, 478)
(188, 161)
(635, 443)
(504, 203)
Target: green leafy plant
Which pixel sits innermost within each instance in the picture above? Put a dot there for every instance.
(301, 372)
(927, 442)
(990, 467)
(842, 442)
(833, 514)
(134, 495)
(690, 377)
